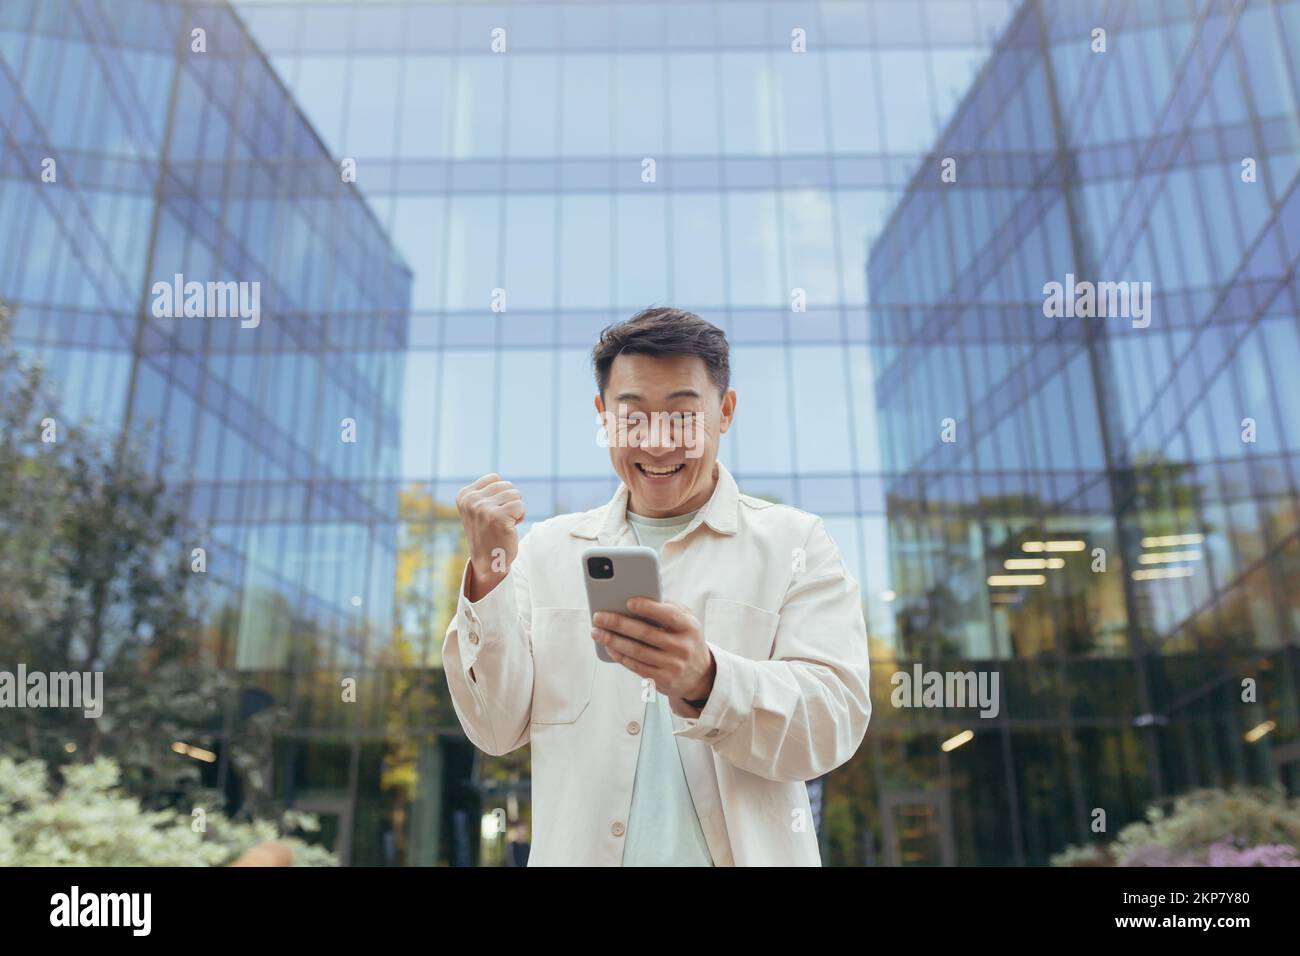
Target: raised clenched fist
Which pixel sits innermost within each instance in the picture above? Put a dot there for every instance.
(490, 508)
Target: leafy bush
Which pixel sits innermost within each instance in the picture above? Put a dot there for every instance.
(92, 822)
(1243, 826)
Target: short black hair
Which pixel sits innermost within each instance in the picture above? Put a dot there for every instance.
(664, 331)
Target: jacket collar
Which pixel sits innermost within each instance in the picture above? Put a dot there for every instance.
(608, 523)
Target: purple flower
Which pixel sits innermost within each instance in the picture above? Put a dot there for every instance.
(1266, 854)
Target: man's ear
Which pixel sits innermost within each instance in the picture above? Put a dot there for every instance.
(728, 410)
(600, 404)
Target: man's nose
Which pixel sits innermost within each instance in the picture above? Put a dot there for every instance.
(657, 444)
(649, 437)
(659, 437)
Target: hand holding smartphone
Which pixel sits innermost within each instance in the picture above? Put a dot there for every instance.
(615, 575)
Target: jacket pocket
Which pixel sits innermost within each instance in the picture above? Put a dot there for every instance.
(564, 664)
(741, 628)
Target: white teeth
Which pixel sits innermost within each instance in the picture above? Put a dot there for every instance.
(660, 472)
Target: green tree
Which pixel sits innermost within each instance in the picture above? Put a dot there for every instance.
(95, 576)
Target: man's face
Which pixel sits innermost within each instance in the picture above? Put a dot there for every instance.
(664, 418)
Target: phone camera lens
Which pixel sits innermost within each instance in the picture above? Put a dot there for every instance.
(600, 568)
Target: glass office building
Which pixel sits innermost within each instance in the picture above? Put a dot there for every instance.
(1098, 503)
(444, 202)
(547, 168)
(141, 142)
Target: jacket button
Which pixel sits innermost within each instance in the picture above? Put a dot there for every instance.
(473, 637)
(617, 829)
(633, 727)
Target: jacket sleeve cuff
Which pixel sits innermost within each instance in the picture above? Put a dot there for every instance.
(481, 623)
(730, 702)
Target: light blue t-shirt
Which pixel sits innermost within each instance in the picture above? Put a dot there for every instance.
(663, 828)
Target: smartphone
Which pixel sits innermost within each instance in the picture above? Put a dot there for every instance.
(614, 575)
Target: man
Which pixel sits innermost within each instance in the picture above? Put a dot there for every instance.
(693, 747)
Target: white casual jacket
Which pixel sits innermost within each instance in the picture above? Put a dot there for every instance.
(790, 699)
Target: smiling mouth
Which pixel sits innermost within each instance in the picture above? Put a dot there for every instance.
(659, 474)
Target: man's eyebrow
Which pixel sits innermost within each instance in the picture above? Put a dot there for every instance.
(636, 397)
